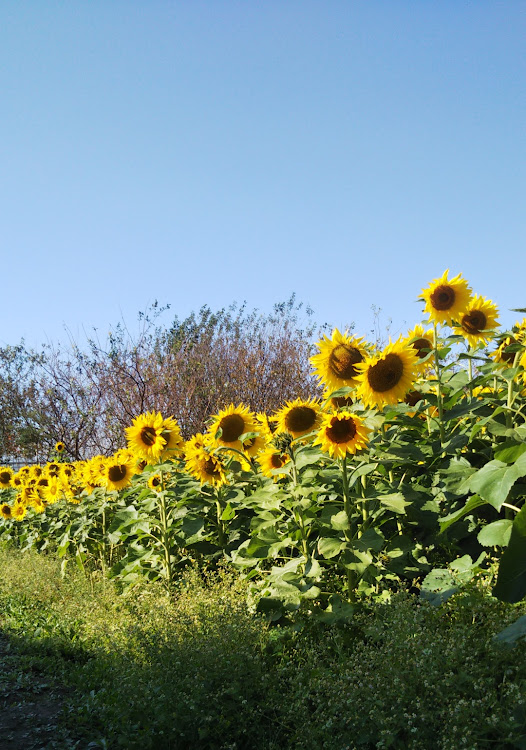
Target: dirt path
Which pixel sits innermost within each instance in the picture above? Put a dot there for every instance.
(30, 703)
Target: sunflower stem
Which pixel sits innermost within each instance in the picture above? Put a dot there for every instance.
(440, 402)
(221, 536)
(165, 537)
(510, 397)
(351, 575)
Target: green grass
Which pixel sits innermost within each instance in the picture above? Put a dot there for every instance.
(197, 670)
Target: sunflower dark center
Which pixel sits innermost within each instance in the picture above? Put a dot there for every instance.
(341, 430)
(342, 360)
(412, 398)
(232, 426)
(474, 321)
(6, 510)
(148, 436)
(211, 468)
(386, 373)
(155, 481)
(43, 482)
(443, 297)
(117, 473)
(300, 419)
(5, 477)
(340, 401)
(422, 346)
(277, 460)
(506, 355)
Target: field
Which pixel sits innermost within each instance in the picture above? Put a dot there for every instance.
(348, 570)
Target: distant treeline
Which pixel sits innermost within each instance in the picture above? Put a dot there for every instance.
(86, 395)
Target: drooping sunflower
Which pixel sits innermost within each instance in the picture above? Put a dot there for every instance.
(6, 475)
(386, 377)
(117, 474)
(6, 512)
(342, 433)
(335, 365)
(230, 423)
(206, 467)
(477, 323)
(171, 433)
(299, 417)
(447, 299)
(423, 343)
(271, 460)
(145, 436)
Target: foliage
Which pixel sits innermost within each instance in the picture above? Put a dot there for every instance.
(195, 669)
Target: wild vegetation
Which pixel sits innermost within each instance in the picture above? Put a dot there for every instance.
(346, 512)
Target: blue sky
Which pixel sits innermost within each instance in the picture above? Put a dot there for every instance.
(210, 152)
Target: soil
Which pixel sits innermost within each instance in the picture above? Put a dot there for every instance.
(30, 703)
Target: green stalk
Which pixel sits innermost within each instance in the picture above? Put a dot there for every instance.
(510, 398)
(221, 535)
(440, 402)
(351, 574)
(165, 536)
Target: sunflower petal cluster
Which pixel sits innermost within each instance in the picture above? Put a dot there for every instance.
(446, 299)
(342, 433)
(386, 377)
(335, 365)
(478, 321)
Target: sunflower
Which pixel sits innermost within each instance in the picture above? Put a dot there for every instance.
(299, 417)
(6, 475)
(54, 491)
(6, 511)
(233, 422)
(17, 481)
(117, 474)
(206, 467)
(423, 342)
(18, 511)
(145, 437)
(60, 447)
(447, 299)
(252, 446)
(155, 482)
(342, 433)
(271, 460)
(335, 365)
(266, 425)
(337, 402)
(478, 321)
(386, 377)
(172, 436)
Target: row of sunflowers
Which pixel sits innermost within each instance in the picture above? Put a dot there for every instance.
(325, 497)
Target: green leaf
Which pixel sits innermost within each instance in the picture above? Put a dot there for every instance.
(513, 632)
(475, 501)
(228, 514)
(510, 451)
(340, 521)
(371, 539)
(496, 534)
(494, 481)
(438, 586)
(330, 546)
(511, 578)
(394, 501)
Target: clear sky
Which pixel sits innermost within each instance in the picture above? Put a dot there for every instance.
(210, 151)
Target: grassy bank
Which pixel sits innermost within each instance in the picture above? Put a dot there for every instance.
(197, 670)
